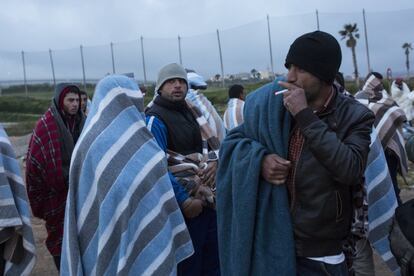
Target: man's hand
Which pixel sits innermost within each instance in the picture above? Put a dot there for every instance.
(275, 169)
(208, 175)
(295, 99)
(205, 194)
(192, 207)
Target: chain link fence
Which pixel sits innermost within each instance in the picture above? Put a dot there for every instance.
(233, 53)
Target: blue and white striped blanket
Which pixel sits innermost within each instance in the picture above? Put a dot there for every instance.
(381, 202)
(16, 236)
(121, 214)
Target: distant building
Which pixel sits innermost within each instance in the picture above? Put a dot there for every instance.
(264, 75)
(242, 76)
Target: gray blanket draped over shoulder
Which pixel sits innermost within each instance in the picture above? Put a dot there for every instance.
(254, 225)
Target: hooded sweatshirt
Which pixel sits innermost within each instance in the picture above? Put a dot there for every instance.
(47, 167)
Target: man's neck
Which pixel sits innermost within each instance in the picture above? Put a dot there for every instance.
(319, 103)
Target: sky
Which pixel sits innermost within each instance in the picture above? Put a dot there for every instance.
(38, 25)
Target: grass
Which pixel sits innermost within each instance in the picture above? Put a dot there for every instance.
(16, 107)
(18, 117)
(18, 104)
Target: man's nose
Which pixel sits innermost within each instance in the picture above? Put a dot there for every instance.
(291, 75)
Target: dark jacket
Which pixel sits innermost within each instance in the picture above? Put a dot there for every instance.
(184, 134)
(333, 158)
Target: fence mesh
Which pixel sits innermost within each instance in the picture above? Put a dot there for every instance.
(243, 48)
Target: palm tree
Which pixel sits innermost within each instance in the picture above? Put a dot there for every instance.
(407, 47)
(350, 32)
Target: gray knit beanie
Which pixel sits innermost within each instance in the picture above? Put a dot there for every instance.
(171, 71)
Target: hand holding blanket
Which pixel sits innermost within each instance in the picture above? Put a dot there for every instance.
(254, 225)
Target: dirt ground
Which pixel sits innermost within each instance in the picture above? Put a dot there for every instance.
(45, 265)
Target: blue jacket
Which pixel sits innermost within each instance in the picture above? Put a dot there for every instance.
(159, 130)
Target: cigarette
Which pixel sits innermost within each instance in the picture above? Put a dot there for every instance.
(281, 91)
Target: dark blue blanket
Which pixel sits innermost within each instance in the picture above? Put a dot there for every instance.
(254, 224)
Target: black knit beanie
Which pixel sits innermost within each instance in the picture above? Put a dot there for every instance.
(318, 53)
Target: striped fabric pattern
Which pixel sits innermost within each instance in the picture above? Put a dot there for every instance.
(121, 214)
(211, 143)
(15, 228)
(233, 116)
(185, 169)
(209, 112)
(388, 121)
(381, 202)
(404, 98)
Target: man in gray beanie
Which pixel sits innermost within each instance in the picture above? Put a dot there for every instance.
(192, 151)
(314, 141)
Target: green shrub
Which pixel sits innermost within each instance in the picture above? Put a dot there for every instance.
(14, 104)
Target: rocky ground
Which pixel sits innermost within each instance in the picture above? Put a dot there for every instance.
(46, 266)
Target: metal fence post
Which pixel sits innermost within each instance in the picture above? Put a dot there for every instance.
(83, 68)
(113, 59)
(317, 20)
(24, 75)
(270, 47)
(179, 50)
(366, 40)
(143, 59)
(221, 58)
(53, 68)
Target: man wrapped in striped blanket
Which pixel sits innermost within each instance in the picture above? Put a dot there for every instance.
(375, 200)
(389, 118)
(17, 246)
(197, 98)
(121, 215)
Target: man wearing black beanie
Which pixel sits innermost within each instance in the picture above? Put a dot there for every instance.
(328, 148)
(310, 140)
(311, 144)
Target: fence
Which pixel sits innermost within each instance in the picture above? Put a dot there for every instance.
(260, 45)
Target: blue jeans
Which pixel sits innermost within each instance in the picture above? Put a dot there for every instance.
(308, 267)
